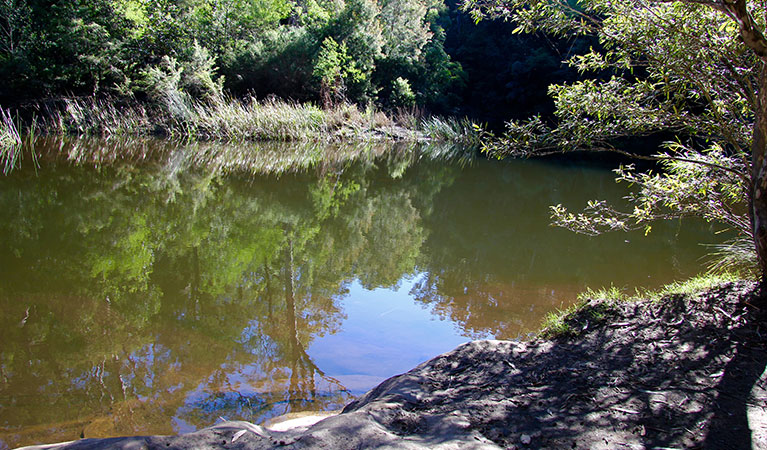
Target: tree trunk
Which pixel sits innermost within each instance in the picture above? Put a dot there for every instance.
(759, 175)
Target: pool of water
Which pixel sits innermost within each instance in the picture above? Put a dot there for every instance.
(163, 296)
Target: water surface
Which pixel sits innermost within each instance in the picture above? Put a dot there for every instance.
(162, 294)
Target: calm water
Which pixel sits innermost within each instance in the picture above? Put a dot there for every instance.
(159, 297)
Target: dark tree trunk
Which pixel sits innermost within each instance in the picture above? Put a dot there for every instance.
(759, 174)
(754, 38)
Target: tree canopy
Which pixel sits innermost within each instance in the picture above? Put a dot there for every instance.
(265, 47)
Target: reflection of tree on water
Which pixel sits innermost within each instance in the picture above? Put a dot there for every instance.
(172, 292)
(275, 375)
(369, 231)
(302, 369)
(493, 264)
(270, 372)
(150, 295)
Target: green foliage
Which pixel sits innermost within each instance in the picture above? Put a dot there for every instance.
(333, 67)
(504, 75)
(219, 23)
(129, 48)
(401, 93)
(331, 60)
(438, 80)
(358, 27)
(198, 75)
(173, 84)
(278, 63)
(404, 27)
(579, 316)
(15, 16)
(705, 184)
(163, 84)
(71, 45)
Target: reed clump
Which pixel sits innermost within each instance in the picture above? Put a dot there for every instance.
(452, 130)
(252, 120)
(9, 133)
(96, 117)
(10, 140)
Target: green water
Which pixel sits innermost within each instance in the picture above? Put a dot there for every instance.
(160, 295)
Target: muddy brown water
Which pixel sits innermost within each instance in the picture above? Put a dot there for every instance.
(161, 296)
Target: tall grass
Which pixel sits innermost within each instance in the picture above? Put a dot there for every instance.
(735, 256)
(452, 130)
(233, 120)
(97, 117)
(224, 119)
(10, 141)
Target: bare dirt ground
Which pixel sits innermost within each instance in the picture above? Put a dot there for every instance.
(683, 372)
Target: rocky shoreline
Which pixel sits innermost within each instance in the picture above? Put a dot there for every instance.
(686, 371)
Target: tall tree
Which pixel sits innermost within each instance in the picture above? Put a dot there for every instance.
(694, 68)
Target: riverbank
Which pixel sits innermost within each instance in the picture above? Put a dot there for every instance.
(683, 371)
(227, 119)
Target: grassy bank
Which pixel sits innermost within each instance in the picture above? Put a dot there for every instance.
(228, 119)
(595, 306)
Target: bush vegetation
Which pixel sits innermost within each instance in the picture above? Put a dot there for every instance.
(339, 51)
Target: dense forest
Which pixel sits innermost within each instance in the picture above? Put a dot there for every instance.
(388, 53)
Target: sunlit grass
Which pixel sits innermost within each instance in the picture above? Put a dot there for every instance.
(453, 130)
(93, 117)
(234, 120)
(10, 141)
(611, 294)
(596, 303)
(563, 322)
(9, 134)
(692, 286)
(737, 256)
